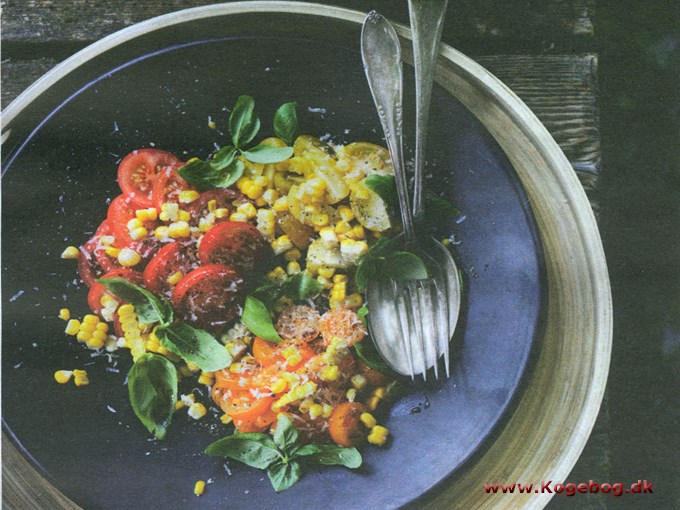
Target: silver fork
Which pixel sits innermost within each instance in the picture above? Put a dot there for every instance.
(411, 322)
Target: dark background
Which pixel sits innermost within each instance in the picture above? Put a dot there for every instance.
(629, 163)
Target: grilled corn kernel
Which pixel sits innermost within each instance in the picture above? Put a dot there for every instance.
(277, 275)
(150, 214)
(328, 236)
(279, 386)
(225, 419)
(188, 196)
(179, 229)
(183, 216)
(212, 205)
(207, 378)
(98, 340)
(112, 251)
(357, 232)
(70, 253)
(193, 366)
(64, 314)
(252, 190)
(247, 209)
(270, 196)
(293, 254)
(199, 487)
(107, 240)
(126, 310)
(293, 267)
(325, 282)
(87, 327)
(282, 244)
(358, 381)
(179, 405)
(169, 211)
(354, 301)
(326, 272)
(281, 204)
(373, 403)
(174, 278)
(102, 326)
(379, 392)
(206, 222)
(128, 257)
(187, 400)
(346, 213)
(90, 318)
(342, 227)
(320, 220)
(80, 378)
(138, 233)
(221, 213)
(197, 410)
(162, 232)
(351, 394)
(133, 224)
(330, 373)
(368, 420)
(63, 376)
(315, 411)
(237, 216)
(72, 327)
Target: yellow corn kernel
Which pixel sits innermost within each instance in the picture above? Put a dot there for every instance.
(328, 236)
(72, 327)
(379, 392)
(225, 419)
(339, 291)
(293, 254)
(368, 420)
(342, 227)
(174, 278)
(179, 405)
(237, 216)
(206, 223)
(357, 232)
(207, 378)
(199, 487)
(63, 376)
(327, 410)
(64, 314)
(138, 233)
(188, 196)
(281, 204)
(87, 327)
(162, 232)
(351, 395)
(169, 211)
(326, 272)
(247, 209)
(108, 301)
(183, 216)
(305, 405)
(80, 378)
(325, 282)
(212, 205)
(277, 275)
(354, 301)
(179, 229)
(340, 278)
(150, 214)
(315, 411)
(346, 213)
(112, 251)
(261, 180)
(221, 213)
(279, 386)
(70, 253)
(107, 240)
(281, 244)
(373, 403)
(283, 401)
(330, 373)
(197, 410)
(128, 257)
(335, 303)
(126, 310)
(90, 318)
(193, 366)
(293, 267)
(188, 400)
(294, 360)
(133, 224)
(252, 190)
(102, 326)
(446, 242)
(270, 196)
(358, 381)
(98, 340)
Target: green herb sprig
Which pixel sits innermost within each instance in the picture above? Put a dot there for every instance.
(282, 456)
(224, 168)
(385, 261)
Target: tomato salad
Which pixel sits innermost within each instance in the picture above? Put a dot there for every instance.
(263, 267)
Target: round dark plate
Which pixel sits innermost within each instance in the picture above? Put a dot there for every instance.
(160, 89)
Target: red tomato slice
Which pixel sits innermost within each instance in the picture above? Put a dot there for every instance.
(171, 258)
(137, 173)
(234, 243)
(167, 186)
(120, 212)
(97, 290)
(250, 414)
(210, 296)
(270, 353)
(93, 258)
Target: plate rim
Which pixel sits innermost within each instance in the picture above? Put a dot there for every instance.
(503, 112)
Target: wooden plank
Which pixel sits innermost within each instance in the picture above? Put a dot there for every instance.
(88, 20)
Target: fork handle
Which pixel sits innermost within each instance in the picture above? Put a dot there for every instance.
(427, 21)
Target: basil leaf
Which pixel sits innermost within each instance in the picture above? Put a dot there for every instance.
(265, 154)
(194, 344)
(209, 174)
(286, 434)
(243, 124)
(369, 355)
(362, 312)
(254, 449)
(268, 294)
(257, 319)
(331, 454)
(440, 208)
(403, 266)
(385, 186)
(284, 475)
(223, 158)
(286, 122)
(148, 307)
(301, 287)
(152, 385)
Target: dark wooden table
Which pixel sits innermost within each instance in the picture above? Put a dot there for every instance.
(544, 51)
